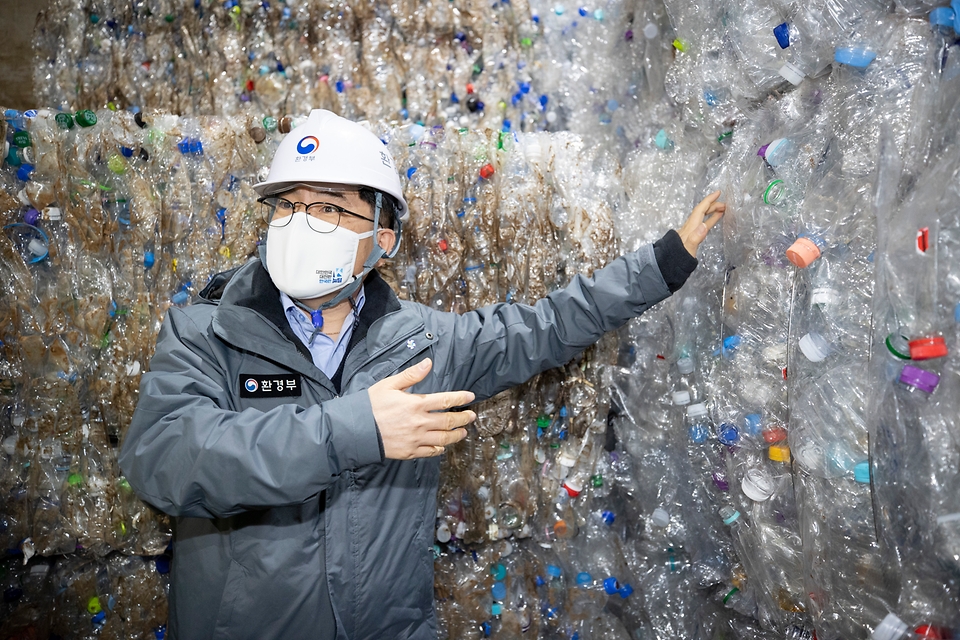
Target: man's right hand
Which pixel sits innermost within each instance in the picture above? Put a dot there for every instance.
(409, 423)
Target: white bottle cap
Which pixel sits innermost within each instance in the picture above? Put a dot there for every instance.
(443, 533)
(533, 152)
(37, 247)
(757, 485)
(685, 365)
(650, 31)
(824, 296)
(660, 517)
(791, 73)
(697, 410)
(489, 512)
(23, 197)
(461, 529)
(890, 628)
(52, 213)
(483, 493)
(132, 368)
(681, 397)
(10, 445)
(814, 347)
(566, 460)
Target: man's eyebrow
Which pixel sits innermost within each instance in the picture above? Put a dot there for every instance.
(334, 194)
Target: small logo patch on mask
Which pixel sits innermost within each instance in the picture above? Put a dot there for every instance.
(329, 276)
(261, 386)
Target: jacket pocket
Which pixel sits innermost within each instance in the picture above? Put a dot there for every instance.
(232, 591)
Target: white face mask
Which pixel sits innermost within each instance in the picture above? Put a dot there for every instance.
(305, 264)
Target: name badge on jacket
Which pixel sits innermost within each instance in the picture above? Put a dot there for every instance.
(261, 386)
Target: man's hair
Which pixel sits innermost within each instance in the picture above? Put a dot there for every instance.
(389, 206)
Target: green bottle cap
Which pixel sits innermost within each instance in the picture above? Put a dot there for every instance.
(597, 480)
(543, 421)
(86, 118)
(270, 123)
(116, 165)
(64, 120)
(13, 158)
(22, 139)
(75, 479)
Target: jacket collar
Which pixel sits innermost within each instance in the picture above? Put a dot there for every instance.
(250, 316)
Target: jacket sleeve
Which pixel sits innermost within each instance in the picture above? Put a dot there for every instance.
(502, 345)
(188, 453)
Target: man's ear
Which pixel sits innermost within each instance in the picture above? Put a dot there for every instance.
(386, 238)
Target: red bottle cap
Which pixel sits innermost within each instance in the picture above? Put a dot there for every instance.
(776, 434)
(927, 348)
(486, 171)
(803, 252)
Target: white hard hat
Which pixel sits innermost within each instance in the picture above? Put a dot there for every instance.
(329, 149)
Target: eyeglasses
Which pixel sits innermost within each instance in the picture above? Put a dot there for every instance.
(322, 217)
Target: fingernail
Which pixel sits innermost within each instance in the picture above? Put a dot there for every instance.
(425, 364)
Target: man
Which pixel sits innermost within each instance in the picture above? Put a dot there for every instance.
(278, 423)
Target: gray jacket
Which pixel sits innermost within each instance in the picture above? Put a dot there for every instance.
(284, 505)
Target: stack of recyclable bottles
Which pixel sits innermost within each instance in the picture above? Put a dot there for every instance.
(771, 453)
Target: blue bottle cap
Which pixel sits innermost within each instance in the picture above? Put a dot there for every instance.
(662, 140)
(943, 17)
(563, 411)
(524, 87)
(498, 571)
(148, 260)
(485, 628)
(698, 433)
(625, 591)
(729, 434)
(162, 564)
(496, 608)
(539, 581)
(554, 571)
(955, 5)
(584, 578)
(782, 33)
(410, 172)
(857, 57)
(752, 422)
(126, 152)
(956, 313)
(99, 618)
(498, 590)
(731, 342)
(180, 297)
(861, 472)
(729, 515)
(608, 517)
(160, 632)
(611, 586)
(23, 173)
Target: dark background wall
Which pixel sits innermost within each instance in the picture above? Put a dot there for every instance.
(17, 19)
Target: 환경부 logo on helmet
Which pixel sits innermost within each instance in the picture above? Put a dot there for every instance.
(308, 145)
(251, 385)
